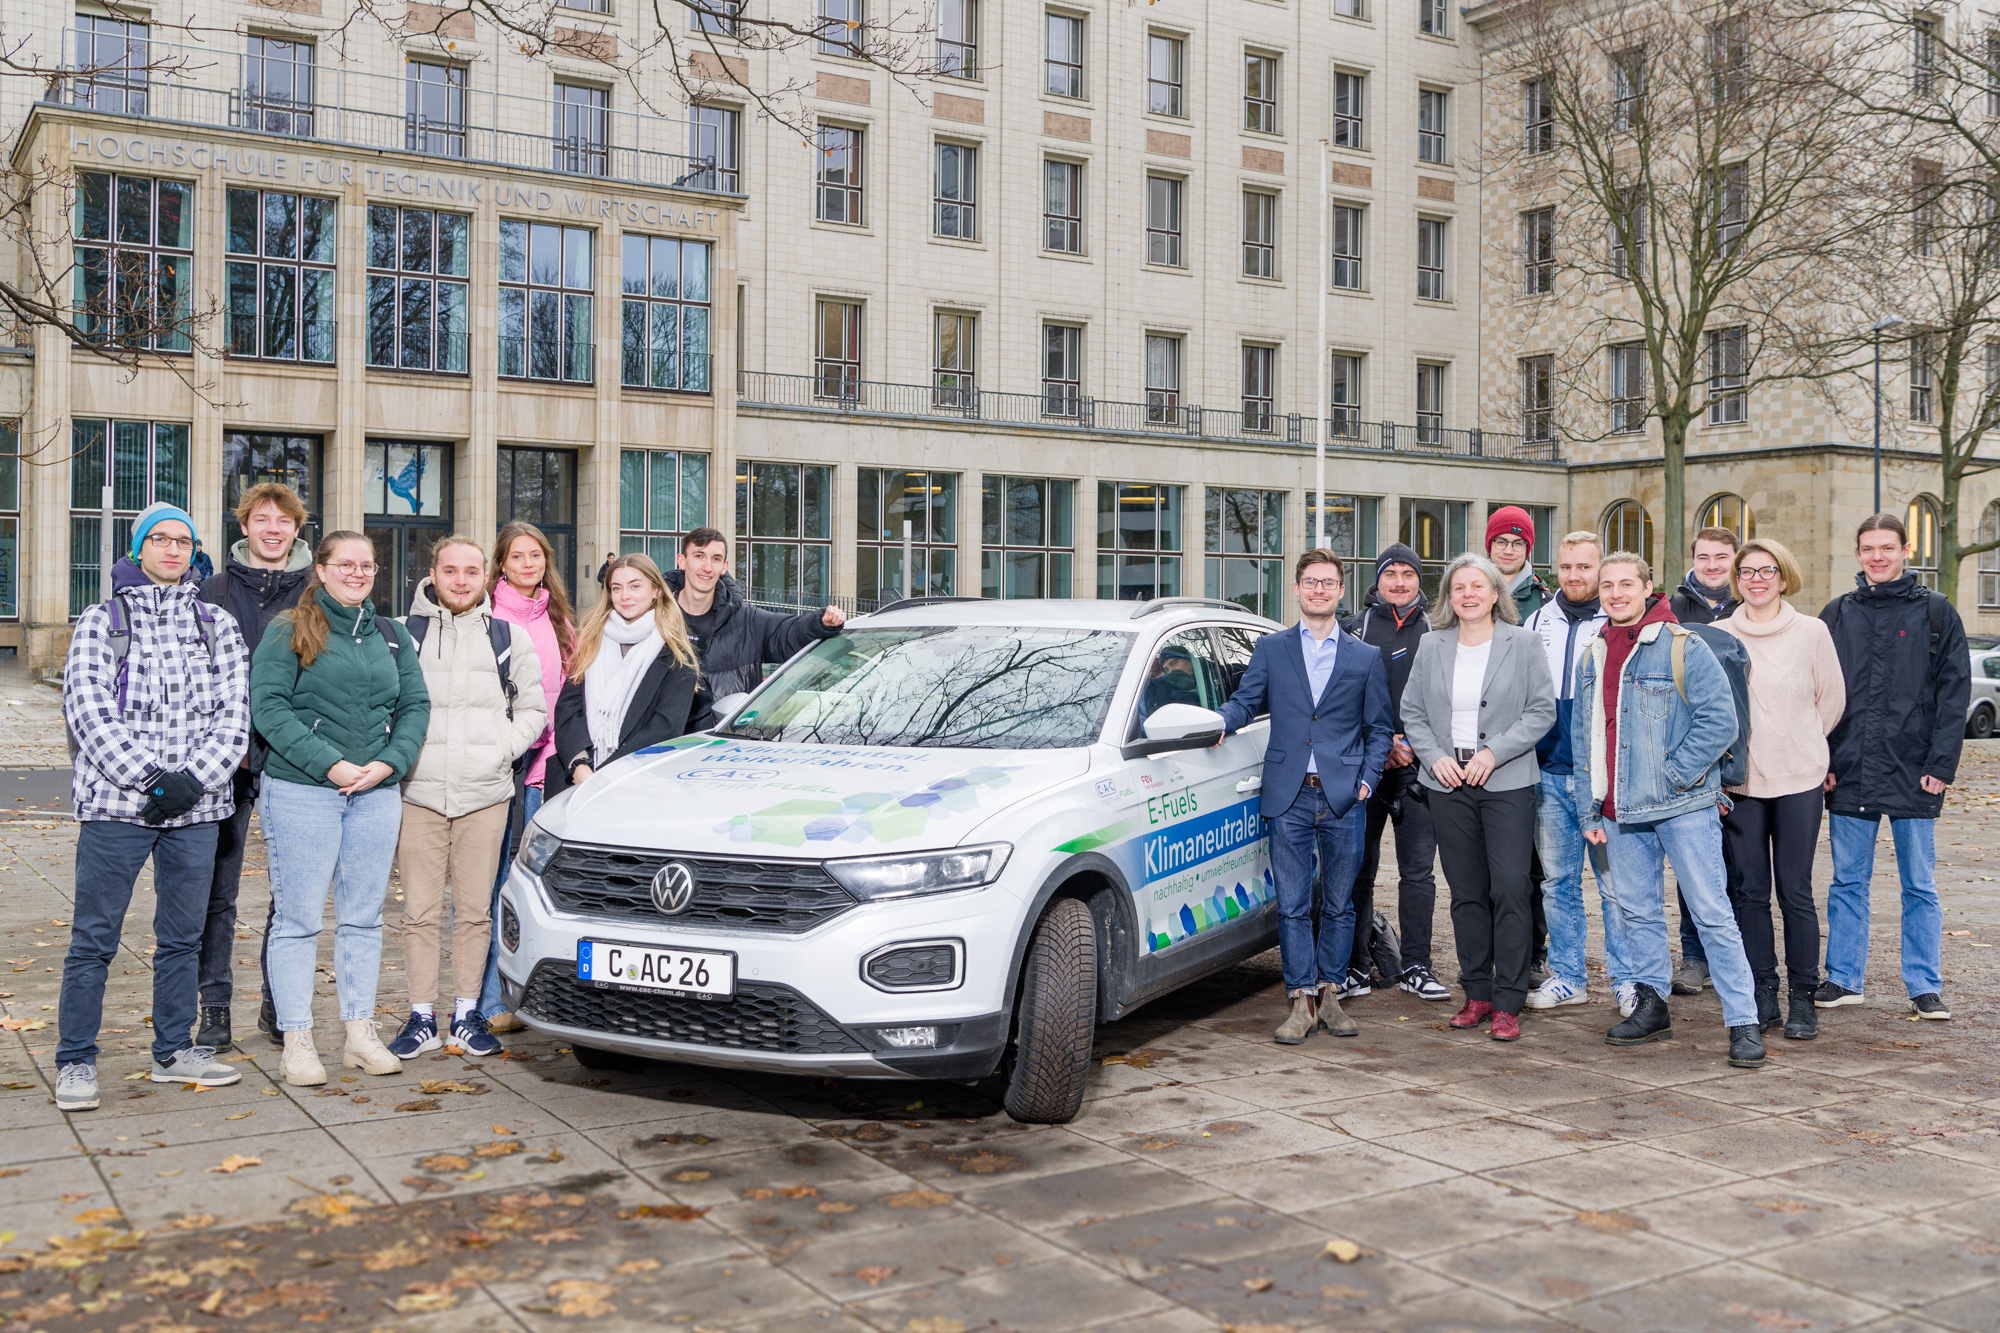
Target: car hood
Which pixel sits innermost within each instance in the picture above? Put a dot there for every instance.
(710, 794)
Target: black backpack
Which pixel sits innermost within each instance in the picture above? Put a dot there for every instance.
(500, 633)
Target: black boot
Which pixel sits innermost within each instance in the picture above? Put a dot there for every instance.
(1802, 1024)
(1768, 1013)
(214, 1030)
(267, 1021)
(1746, 1047)
(1650, 1021)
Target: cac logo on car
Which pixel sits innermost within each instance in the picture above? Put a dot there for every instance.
(673, 888)
(739, 775)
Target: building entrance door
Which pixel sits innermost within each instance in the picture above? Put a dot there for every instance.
(538, 486)
(406, 495)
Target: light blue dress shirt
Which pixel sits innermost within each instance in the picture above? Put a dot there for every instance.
(1320, 656)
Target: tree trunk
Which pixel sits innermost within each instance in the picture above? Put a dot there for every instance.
(1949, 554)
(1673, 528)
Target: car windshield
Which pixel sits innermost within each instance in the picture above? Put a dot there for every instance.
(944, 686)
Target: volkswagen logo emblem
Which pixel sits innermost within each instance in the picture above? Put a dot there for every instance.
(673, 888)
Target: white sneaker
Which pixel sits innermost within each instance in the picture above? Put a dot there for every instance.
(1628, 998)
(1554, 993)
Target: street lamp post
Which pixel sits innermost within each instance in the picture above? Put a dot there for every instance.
(1320, 411)
(1877, 327)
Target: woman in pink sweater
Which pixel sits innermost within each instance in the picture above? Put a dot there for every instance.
(527, 591)
(1797, 694)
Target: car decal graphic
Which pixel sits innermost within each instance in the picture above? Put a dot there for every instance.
(1193, 875)
(862, 817)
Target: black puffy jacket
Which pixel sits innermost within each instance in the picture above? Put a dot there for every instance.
(1906, 701)
(1379, 625)
(256, 597)
(743, 638)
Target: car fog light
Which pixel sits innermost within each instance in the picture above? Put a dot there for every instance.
(908, 1038)
(510, 927)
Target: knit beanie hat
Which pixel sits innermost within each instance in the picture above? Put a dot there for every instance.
(1397, 554)
(152, 516)
(1510, 518)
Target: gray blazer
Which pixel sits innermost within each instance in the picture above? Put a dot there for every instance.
(1517, 704)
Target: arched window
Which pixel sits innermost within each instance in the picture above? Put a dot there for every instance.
(1989, 561)
(1628, 527)
(1730, 513)
(1922, 520)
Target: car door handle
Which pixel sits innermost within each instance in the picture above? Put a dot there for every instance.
(1250, 784)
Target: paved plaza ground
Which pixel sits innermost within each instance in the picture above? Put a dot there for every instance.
(1412, 1179)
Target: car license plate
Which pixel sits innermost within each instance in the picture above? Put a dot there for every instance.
(643, 967)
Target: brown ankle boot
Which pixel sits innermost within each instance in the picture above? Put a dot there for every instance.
(1302, 1021)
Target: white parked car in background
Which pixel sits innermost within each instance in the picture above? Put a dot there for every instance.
(1982, 715)
(945, 844)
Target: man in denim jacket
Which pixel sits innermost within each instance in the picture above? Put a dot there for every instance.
(1646, 752)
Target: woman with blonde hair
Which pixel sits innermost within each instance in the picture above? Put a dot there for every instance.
(633, 680)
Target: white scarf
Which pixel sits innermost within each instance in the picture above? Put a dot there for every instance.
(613, 678)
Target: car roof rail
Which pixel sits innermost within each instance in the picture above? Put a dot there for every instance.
(1162, 603)
(902, 602)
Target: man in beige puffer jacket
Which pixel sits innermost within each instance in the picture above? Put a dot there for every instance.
(456, 797)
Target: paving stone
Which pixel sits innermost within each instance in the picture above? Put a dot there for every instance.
(1399, 1112)
(1144, 1110)
(954, 1163)
(1292, 1287)
(1974, 1312)
(1057, 1294)
(1440, 1215)
(1309, 1084)
(1897, 1263)
(1728, 1298)
(1063, 1199)
(1209, 1233)
(1567, 1263)
(1895, 1180)
(1304, 1181)
(937, 1246)
(1473, 1144)
(1536, 1087)
(1461, 1310)
(1979, 1216)
(1777, 1089)
(1617, 1176)
(1751, 1216)
(1760, 1147)
(1648, 1114)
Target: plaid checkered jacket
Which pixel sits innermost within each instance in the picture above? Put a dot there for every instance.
(180, 710)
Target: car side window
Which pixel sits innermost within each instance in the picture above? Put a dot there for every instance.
(1184, 670)
(1233, 648)
(1992, 666)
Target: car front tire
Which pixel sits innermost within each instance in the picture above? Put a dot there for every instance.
(1057, 1018)
(1981, 726)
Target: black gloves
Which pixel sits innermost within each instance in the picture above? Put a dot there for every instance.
(173, 795)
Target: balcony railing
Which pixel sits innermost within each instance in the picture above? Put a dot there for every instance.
(333, 104)
(1061, 411)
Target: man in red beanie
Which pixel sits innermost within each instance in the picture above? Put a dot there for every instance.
(1510, 541)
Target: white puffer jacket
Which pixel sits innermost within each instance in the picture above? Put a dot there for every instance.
(468, 756)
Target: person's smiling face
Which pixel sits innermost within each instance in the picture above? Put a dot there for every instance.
(1623, 591)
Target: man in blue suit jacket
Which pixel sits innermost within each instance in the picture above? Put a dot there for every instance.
(1328, 696)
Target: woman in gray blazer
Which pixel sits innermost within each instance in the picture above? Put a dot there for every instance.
(1478, 699)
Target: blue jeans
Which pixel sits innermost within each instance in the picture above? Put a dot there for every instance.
(1693, 842)
(1560, 844)
(317, 839)
(109, 856)
(491, 1000)
(1311, 826)
(1853, 839)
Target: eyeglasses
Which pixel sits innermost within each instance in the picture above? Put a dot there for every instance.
(1509, 543)
(1757, 572)
(347, 569)
(1320, 585)
(161, 541)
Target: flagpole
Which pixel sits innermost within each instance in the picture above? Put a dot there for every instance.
(1320, 368)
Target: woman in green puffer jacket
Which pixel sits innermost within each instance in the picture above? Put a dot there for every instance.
(339, 695)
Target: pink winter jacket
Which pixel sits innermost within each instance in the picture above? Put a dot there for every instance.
(533, 616)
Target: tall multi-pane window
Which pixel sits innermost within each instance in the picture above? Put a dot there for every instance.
(1351, 9)
(1430, 259)
(885, 499)
(280, 274)
(1989, 561)
(545, 301)
(1350, 527)
(10, 520)
(1538, 251)
(417, 315)
(954, 359)
(1243, 548)
(717, 16)
(958, 38)
(1924, 43)
(117, 57)
(144, 463)
(1437, 531)
(1927, 193)
(434, 108)
(1628, 387)
(1921, 518)
(1628, 527)
(1628, 234)
(1628, 89)
(1344, 220)
(1138, 540)
(406, 506)
(1430, 403)
(784, 526)
(713, 138)
(1259, 387)
(838, 192)
(1062, 206)
(662, 496)
(1163, 220)
(250, 458)
(842, 27)
(134, 261)
(837, 349)
(1164, 58)
(1431, 17)
(1728, 54)
(1923, 380)
(1432, 108)
(1163, 379)
(664, 314)
(1062, 370)
(1538, 115)
(1260, 234)
(1027, 536)
(582, 128)
(1350, 110)
(1732, 205)
(1063, 62)
(1728, 375)
(1344, 395)
(1992, 81)
(1260, 93)
(956, 184)
(1538, 397)
(278, 86)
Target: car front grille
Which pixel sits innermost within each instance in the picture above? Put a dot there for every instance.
(785, 897)
(759, 1017)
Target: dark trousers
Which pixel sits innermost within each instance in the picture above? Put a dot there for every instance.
(1486, 839)
(1416, 880)
(1770, 841)
(109, 855)
(218, 935)
(1691, 950)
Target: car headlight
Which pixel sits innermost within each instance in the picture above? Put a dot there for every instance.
(538, 848)
(875, 877)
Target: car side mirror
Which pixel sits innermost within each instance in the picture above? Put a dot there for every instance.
(1177, 727)
(726, 706)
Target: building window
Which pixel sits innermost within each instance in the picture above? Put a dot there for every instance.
(1260, 234)
(1260, 93)
(582, 129)
(957, 186)
(1728, 53)
(406, 503)
(1989, 561)
(1062, 207)
(1628, 527)
(1538, 111)
(144, 463)
(958, 38)
(1163, 379)
(1922, 381)
(10, 520)
(886, 500)
(954, 359)
(1350, 9)
(545, 301)
(417, 318)
(251, 459)
(434, 107)
(1430, 403)
(1243, 548)
(1924, 42)
(1628, 89)
(1992, 87)
(1062, 370)
(1927, 192)
(1431, 17)
(278, 86)
(1163, 220)
(1164, 56)
(1728, 376)
(1347, 525)
(1538, 397)
(1732, 205)
(662, 496)
(716, 16)
(1431, 109)
(842, 26)
(1345, 224)
(133, 260)
(1922, 520)
(283, 306)
(118, 59)
(1731, 513)
(839, 185)
(1344, 396)
(1026, 537)
(663, 332)
(1437, 531)
(1430, 259)
(1138, 525)
(1628, 387)
(538, 486)
(713, 138)
(784, 526)
(837, 349)
(1064, 63)
(1630, 226)
(1538, 251)
(1259, 387)
(1350, 110)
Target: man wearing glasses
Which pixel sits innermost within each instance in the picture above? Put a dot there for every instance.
(156, 698)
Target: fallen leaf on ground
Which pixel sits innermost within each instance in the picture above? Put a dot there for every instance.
(875, 1274)
(499, 1148)
(580, 1296)
(502, 1129)
(233, 1163)
(240, 1115)
(424, 1184)
(163, 1277)
(835, 1207)
(93, 1216)
(556, 1235)
(1610, 1221)
(338, 1209)
(422, 1297)
(223, 1266)
(688, 1177)
(268, 1092)
(23, 1024)
(426, 1105)
(936, 1323)
(400, 1255)
(1341, 1291)
(472, 1175)
(435, 1086)
(672, 1212)
(1136, 1059)
(1257, 1328)
(631, 1266)
(1346, 1251)
(193, 1221)
(1958, 932)
(758, 1194)
(1253, 1285)
(176, 1171)
(445, 1161)
(986, 1162)
(555, 1155)
(797, 1192)
(6, 1171)
(917, 1199)
(1777, 1321)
